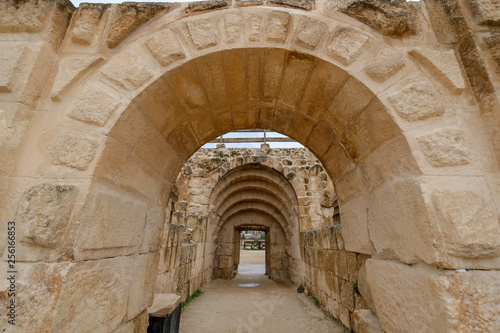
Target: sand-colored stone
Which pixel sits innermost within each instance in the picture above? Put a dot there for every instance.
(95, 278)
(94, 106)
(44, 212)
(346, 45)
(72, 149)
(70, 70)
(398, 102)
(439, 302)
(165, 47)
(127, 71)
(443, 65)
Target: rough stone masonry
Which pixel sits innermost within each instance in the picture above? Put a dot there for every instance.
(101, 107)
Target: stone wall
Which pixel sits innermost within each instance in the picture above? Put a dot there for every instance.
(323, 266)
(101, 106)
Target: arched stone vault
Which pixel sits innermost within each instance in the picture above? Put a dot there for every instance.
(407, 153)
(257, 196)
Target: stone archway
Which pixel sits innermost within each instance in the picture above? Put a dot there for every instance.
(398, 149)
(257, 196)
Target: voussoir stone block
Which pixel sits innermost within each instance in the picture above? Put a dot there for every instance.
(387, 63)
(94, 106)
(233, 25)
(70, 70)
(433, 300)
(97, 289)
(44, 213)
(204, 33)
(126, 70)
(417, 101)
(165, 47)
(11, 58)
(445, 147)
(253, 26)
(346, 45)
(468, 222)
(277, 26)
(71, 148)
(311, 33)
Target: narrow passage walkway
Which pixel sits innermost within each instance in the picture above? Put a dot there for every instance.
(253, 303)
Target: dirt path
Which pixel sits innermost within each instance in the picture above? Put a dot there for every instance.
(253, 303)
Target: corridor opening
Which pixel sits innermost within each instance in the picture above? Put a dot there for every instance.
(252, 257)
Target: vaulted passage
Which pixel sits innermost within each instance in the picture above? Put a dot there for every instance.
(102, 109)
(253, 197)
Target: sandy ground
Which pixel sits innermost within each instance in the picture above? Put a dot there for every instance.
(253, 303)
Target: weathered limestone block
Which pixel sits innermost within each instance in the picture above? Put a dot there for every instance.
(277, 26)
(346, 44)
(354, 220)
(387, 63)
(142, 277)
(417, 101)
(445, 147)
(94, 289)
(165, 47)
(475, 68)
(233, 25)
(204, 33)
(301, 4)
(390, 17)
(399, 226)
(94, 106)
(366, 322)
(253, 26)
(487, 12)
(127, 71)
(45, 212)
(245, 3)
(311, 33)
(70, 70)
(110, 223)
(127, 17)
(11, 59)
(441, 301)
(38, 290)
(139, 324)
(493, 43)
(87, 19)
(225, 262)
(151, 240)
(293, 82)
(202, 6)
(26, 16)
(443, 65)
(468, 222)
(71, 148)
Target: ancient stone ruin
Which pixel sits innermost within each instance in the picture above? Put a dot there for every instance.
(391, 220)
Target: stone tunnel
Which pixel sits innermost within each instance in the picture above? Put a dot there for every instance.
(104, 107)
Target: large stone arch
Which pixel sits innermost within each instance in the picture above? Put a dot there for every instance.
(398, 145)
